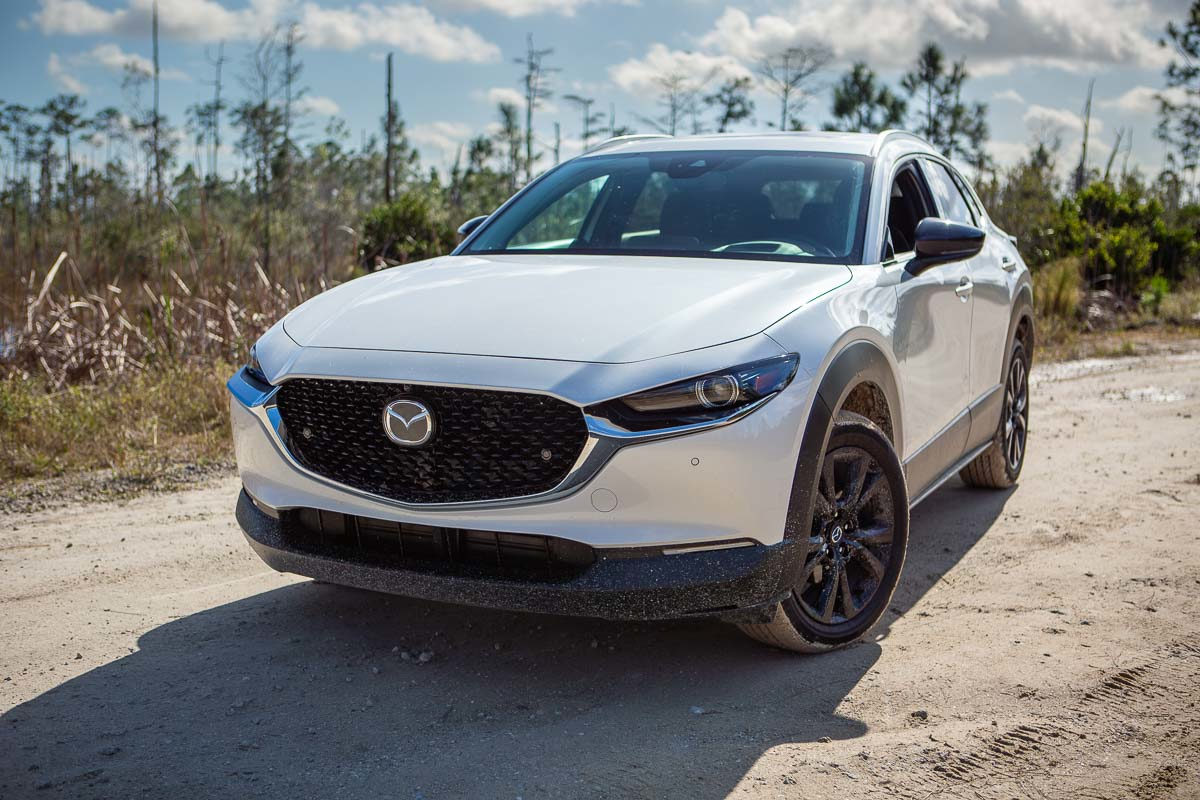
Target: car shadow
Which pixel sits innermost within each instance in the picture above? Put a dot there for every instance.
(305, 691)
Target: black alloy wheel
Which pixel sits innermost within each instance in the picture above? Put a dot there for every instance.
(855, 546)
(1016, 411)
(851, 542)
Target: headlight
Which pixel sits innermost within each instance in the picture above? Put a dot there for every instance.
(253, 368)
(701, 399)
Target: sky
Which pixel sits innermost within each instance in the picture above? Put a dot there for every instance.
(1030, 60)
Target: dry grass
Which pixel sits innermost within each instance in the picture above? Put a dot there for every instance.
(130, 380)
(134, 425)
(74, 333)
(1056, 290)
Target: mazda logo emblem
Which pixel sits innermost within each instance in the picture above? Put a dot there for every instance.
(408, 423)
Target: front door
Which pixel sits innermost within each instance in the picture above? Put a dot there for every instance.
(932, 340)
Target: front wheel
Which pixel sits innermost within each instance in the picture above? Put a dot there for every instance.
(856, 546)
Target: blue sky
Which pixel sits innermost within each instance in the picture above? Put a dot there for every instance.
(1032, 59)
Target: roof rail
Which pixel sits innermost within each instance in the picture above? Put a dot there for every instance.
(889, 133)
(631, 137)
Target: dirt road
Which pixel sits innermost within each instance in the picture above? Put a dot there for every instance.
(1043, 643)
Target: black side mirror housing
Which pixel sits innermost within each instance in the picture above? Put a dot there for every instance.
(465, 229)
(941, 241)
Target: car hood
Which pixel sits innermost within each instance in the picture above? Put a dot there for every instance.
(607, 309)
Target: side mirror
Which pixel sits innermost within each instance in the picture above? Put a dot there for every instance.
(940, 241)
(465, 229)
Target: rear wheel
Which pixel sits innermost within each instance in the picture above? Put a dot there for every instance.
(856, 546)
(999, 466)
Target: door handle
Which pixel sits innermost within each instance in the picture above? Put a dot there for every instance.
(1008, 264)
(964, 289)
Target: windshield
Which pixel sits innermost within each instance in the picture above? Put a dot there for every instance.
(793, 206)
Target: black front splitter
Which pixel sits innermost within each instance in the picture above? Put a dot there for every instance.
(739, 584)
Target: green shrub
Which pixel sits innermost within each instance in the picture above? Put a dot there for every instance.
(1152, 298)
(1124, 254)
(407, 229)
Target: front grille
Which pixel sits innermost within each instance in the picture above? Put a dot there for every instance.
(443, 550)
(488, 445)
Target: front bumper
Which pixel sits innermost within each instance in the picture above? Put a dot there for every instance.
(740, 584)
(726, 483)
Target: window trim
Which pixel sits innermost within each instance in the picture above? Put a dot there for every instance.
(955, 182)
(902, 164)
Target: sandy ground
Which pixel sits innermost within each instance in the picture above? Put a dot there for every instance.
(1043, 643)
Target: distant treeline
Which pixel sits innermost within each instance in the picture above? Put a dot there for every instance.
(172, 257)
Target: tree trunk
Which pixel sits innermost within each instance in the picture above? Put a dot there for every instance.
(158, 188)
(391, 127)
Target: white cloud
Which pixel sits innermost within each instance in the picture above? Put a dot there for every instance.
(1039, 118)
(1005, 153)
(442, 136)
(65, 80)
(520, 8)
(1142, 99)
(996, 35)
(1009, 95)
(192, 20)
(407, 27)
(641, 74)
(112, 57)
(316, 104)
(504, 94)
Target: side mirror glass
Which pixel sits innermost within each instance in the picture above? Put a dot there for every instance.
(465, 229)
(939, 241)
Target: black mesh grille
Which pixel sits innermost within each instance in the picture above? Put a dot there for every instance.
(488, 445)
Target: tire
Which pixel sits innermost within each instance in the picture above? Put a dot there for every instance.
(860, 461)
(996, 468)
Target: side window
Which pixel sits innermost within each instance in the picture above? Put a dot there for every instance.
(558, 225)
(949, 198)
(907, 205)
(969, 193)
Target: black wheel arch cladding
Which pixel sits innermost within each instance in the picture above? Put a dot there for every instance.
(858, 362)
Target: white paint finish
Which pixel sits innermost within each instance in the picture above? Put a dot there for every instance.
(576, 382)
(590, 328)
(740, 489)
(995, 292)
(933, 345)
(591, 308)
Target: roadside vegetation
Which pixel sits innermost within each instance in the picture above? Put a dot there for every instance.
(139, 267)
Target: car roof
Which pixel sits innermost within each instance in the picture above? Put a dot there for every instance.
(862, 144)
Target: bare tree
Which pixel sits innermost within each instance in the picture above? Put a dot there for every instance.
(509, 137)
(679, 98)
(156, 124)
(1081, 170)
(789, 76)
(216, 108)
(590, 118)
(536, 92)
(261, 122)
(293, 91)
(390, 126)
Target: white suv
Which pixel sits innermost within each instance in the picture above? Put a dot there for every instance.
(672, 377)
